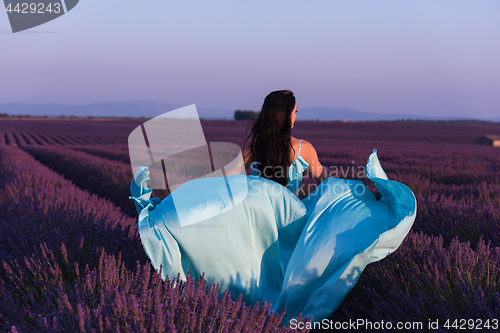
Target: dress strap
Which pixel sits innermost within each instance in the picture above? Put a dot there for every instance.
(300, 144)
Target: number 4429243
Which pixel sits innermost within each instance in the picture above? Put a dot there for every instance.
(38, 8)
(468, 324)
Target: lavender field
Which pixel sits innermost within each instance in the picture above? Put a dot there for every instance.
(72, 260)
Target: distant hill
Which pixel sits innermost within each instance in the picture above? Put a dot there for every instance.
(148, 109)
(326, 113)
(135, 109)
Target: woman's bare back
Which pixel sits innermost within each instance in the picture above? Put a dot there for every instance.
(307, 152)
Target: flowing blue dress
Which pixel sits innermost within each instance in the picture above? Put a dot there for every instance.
(302, 255)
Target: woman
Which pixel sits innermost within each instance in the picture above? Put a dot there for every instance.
(273, 153)
(262, 241)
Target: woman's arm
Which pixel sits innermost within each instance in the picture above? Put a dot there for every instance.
(309, 154)
(319, 172)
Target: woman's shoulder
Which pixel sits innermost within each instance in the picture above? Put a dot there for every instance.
(307, 151)
(305, 143)
(305, 146)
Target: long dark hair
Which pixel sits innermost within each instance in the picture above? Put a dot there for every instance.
(271, 136)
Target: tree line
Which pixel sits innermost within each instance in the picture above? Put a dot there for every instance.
(245, 115)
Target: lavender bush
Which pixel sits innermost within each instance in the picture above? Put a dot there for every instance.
(457, 186)
(447, 268)
(49, 292)
(108, 179)
(114, 153)
(424, 281)
(72, 262)
(40, 206)
(67, 132)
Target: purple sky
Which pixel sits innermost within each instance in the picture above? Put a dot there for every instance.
(439, 58)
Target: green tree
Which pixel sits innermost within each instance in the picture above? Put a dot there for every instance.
(245, 115)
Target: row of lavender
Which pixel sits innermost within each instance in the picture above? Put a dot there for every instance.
(78, 126)
(64, 132)
(455, 274)
(363, 132)
(105, 178)
(457, 186)
(458, 282)
(117, 131)
(44, 139)
(457, 190)
(71, 261)
(424, 281)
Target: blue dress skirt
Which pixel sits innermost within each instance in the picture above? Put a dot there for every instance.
(302, 255)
